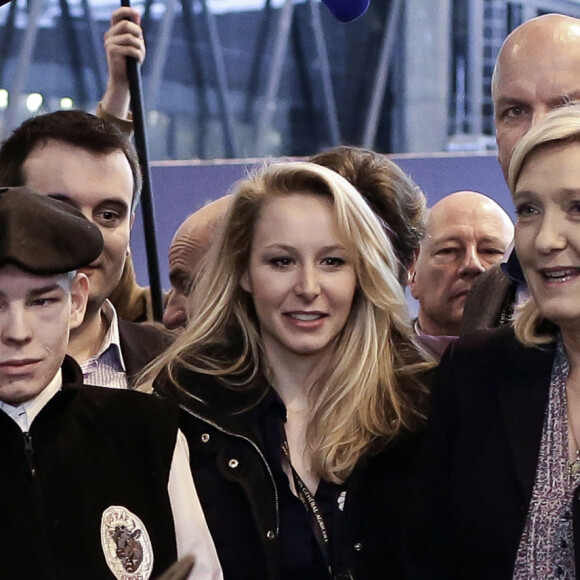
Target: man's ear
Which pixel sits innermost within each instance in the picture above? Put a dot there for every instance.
(412, 276)
(79, 294)
(245, 282)
(411, 273)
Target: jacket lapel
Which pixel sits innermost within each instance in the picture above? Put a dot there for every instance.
(140, 343)
(523, 390)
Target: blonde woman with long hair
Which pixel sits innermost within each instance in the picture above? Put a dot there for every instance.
(504, 437)
(300, 380)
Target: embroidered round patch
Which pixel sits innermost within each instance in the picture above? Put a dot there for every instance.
(126, 544)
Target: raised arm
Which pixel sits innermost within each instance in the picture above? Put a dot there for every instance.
(124, 38)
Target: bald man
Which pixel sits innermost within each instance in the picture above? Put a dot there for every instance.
(467, 232)
(188, 247)
(538, 69)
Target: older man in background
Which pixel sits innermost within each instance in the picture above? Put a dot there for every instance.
(188, 247)
(537, 70)
(467, 232)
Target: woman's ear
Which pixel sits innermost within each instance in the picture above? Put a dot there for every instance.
(245, 282)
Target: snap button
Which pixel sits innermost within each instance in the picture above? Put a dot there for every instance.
(205, 437)
(233, 463)
(358, 546)
(270, 535)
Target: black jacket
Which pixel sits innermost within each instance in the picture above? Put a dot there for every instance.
(239, 496)
(484, 434)
(490, 302)
(140, 344)
(88, 449)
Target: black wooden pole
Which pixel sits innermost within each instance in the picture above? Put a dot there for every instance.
(147, 205)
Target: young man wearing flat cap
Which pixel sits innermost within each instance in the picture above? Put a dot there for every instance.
(91, 165)
(94, 483)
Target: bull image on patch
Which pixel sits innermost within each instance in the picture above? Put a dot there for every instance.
(126, 544)
(129, 549)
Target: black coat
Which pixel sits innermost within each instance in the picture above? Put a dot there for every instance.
(484, 434)
(240, 500)
(88, 449)
(382, 520)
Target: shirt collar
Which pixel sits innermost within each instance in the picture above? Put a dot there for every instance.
(25, 413)
(112, 339)
(419, 332)
(270, 405)
(436, 345)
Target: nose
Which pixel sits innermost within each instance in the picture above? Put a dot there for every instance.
(307, 285)
(175, 313)
(550, 236)
(540, 111)
(15, 329)
(471, 264)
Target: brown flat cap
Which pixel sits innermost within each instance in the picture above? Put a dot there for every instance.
(44, 236)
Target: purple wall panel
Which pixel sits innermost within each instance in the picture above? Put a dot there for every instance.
(182, 188)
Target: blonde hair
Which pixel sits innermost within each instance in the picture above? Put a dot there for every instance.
(559, 127)
(371, 388)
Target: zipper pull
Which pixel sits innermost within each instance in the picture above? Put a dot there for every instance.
(29, 452)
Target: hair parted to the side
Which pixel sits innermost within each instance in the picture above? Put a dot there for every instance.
(76, 128)
(557, 129)
(372, 387)
(391, 194)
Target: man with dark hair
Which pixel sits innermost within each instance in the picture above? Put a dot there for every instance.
(94, 483)
(74, 128)
(90, 164)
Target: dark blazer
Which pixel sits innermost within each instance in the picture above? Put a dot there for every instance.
(484, 434)
(140, 344)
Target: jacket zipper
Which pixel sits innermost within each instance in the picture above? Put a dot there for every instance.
(29, 452)
(258, 450)
(40, 504)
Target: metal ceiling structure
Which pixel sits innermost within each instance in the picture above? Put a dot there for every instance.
(272, 77)
(487, 23)
(29, 26)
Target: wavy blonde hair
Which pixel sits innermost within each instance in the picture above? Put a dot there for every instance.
(372, 387)
(558, 128)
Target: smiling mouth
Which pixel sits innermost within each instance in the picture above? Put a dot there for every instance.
(561, 275)
(305, 316)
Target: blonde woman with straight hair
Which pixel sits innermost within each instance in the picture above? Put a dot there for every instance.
(300, 381)
(504, 441)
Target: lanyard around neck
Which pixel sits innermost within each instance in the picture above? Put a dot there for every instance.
(312, 508)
